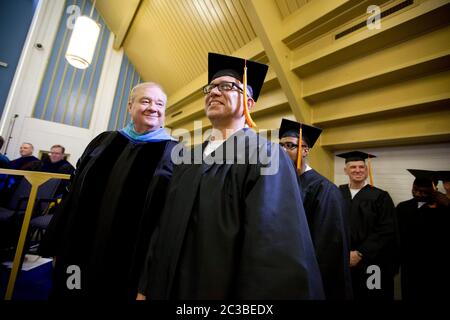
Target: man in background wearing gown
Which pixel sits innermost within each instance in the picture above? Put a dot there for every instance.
(373, 231)
(233, 228)
(423, 223)
(101, 227)
(325, 210)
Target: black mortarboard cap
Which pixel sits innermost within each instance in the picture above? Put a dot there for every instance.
(423, 174)
(443, 175)
(289, 128)
(424, 178)
(355, 156)
(221, 65)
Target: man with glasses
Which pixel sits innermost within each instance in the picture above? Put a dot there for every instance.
(325, 210)
(228, 231)
(56, 162)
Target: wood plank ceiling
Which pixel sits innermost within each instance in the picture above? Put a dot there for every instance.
(168, 40)
(327, 67)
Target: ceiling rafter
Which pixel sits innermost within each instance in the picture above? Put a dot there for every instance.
(267, 22)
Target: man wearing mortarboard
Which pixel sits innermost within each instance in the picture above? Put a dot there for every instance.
(445, 177)
(443, 198)
(423, 224)
(325, 210)
(229, 231)
(373, 230)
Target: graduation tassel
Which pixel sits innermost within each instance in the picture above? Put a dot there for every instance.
(299, 153)
(248, 118)
(370, 171)
(434, 186)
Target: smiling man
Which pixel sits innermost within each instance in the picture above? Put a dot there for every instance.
(101, 226)
(26, 159)
(56, 162)
(228, 230)
(373, 231)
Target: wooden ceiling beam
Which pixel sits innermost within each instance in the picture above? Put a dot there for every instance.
(268, 25)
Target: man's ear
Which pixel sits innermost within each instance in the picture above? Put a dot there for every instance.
(250, 103)
(306, 151)
(129, 106)
(345, 170)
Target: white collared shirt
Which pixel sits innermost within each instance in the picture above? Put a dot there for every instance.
(211, 146)
(355, 191)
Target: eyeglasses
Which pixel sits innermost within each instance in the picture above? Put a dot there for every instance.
(223, 86)
(291, 146)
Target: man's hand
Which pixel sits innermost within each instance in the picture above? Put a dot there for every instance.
(355, 258)
(140, 296)
(441, 198)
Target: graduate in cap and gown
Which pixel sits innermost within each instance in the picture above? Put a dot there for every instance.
(424, 237)
(325, 210)
(234, 225)
(101, 227)
(445, 177)
(373, 230)
(443, 198)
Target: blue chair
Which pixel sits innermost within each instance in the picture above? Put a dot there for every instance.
(46, 199)
(11, 216)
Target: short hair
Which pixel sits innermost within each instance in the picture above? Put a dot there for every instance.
(2, 141)
(30, 144)
(145, 84)
(59, 146)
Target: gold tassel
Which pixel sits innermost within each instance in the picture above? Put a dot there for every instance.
(248, 118)
(370, 171)
(299, 152)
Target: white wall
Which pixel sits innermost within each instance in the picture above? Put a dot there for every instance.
(25, 89)
(389, 168)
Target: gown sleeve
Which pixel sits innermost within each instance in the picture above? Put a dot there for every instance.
(49, 243)
(277, 257)
(383, 232)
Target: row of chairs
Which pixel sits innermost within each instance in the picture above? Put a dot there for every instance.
(12, 213)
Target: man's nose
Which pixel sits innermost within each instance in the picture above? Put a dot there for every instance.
(215, 90)
(152, 105)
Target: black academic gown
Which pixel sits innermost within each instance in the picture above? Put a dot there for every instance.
(62, 166)
(373, 232)
(229, 232)
(11, 182)
(23, 163)
(326, 213)
(101, 226)
(424, 239)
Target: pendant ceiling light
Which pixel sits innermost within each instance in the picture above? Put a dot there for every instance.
(83, 41)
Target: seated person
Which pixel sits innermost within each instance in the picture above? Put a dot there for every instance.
(56, 162)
